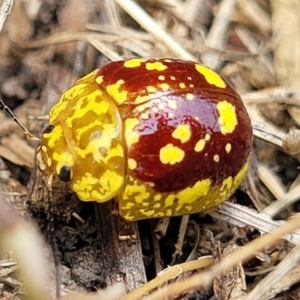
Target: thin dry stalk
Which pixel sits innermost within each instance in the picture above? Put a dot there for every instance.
(205, 278)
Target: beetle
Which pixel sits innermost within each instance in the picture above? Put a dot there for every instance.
(166, 137)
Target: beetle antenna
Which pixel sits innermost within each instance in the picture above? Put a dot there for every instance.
(10, 113)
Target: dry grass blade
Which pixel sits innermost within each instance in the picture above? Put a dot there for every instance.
(216, 35)
(4, 11)
(267, 284)
(271, 181)
(242, 216)
(168, 274)
(205, 278)
(278, 94)
(258, 16)
(18, 151)
(268, 134)
(287, 48)
(151, 26)
(103, 48)
(288, 199)
(58, 38)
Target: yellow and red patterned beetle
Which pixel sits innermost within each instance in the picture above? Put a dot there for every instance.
(167, 137)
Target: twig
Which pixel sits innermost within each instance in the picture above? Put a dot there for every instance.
(5, 11)
(149, 24)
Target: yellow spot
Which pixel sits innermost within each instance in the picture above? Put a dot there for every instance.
(171, 154)
(182, 85)
(169, 200)
(173, 77)
(189, 78)
(136, 192)
(129, 205)
(211, 76)
(189, 208)
(228, 147)
(53, 138)
(147, 213)
(133, 63)
(240, 175)
(191, 195)
(157, 205)
(132, 164)
(159, 66)
(128, 216)
(140, 198)
(93, 102)
(131, 136)
(199, 145)
(151, 89)
(182, 133)
(110, 182)
(172, 104)
(191, 85)
(226, 184)
(168, 60)
(121, 97)
(169, 213)
(161, 77)
(164, 86)
(73, 92)
(99, 79)
(141, 99)
(84, 185)
(90, 125)
(105, 140)
(49, 161)
(114, 91)
(89, 187)
(157, 197)
(207, 137)
(113, 88)
(145, 115)
(216, 158)
(227, 119)
(113, 152)
(189, 96)
(161, 106)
